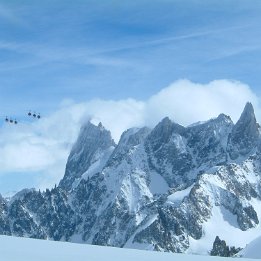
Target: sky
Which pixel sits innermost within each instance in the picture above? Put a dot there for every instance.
(125, 63)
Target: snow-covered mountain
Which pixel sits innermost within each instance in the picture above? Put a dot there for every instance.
(172, 188)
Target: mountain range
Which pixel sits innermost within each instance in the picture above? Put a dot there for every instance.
(171, 188)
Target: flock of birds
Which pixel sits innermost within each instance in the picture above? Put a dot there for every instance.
(29, 114)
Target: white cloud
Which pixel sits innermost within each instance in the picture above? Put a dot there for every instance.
(43, 146)
(186, 102)
(183, 101)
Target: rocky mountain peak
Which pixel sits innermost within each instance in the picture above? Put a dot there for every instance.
(100, 126)
(91, 143)
(164, 130)
(245, 133)
(129, 139)
(247, 116)
(224, 118)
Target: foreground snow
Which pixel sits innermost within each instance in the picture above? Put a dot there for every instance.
(253, 249)
(13, 248)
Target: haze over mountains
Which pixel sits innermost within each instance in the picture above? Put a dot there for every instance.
(169, 188)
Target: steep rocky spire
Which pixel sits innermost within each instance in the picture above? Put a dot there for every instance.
(245, 133)
(247, 116)
(92, 140)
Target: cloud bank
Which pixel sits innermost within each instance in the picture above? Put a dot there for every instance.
(42, 147)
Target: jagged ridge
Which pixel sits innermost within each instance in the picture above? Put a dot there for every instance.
(156, 189)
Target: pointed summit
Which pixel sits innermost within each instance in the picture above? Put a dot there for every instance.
(224, 118)
(248, 114)
(245, 133)
(249, 106)
(100, 126)
(165, 129)
(92, 141)
(247, 121)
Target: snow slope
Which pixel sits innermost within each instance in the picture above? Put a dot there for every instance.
(25, 249)
(252, 250)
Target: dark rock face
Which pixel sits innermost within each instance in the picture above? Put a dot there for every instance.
(208, 141)
(129, 194)
(91, 143)
(245, 133)
(168, 153)
(4, 221)
(175, 152)
(162, 238)
(42, 215)
(220, 248)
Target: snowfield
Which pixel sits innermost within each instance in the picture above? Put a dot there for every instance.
(252, 250)
(25, 249)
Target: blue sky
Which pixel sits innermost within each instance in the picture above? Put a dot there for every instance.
(124, 53)
(53, 50)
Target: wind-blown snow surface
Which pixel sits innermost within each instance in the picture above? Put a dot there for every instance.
(252, 250)
(24, 249)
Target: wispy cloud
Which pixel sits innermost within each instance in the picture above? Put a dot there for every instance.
(231, 52)
(12, 17)
(171, 39)
(39, 54)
